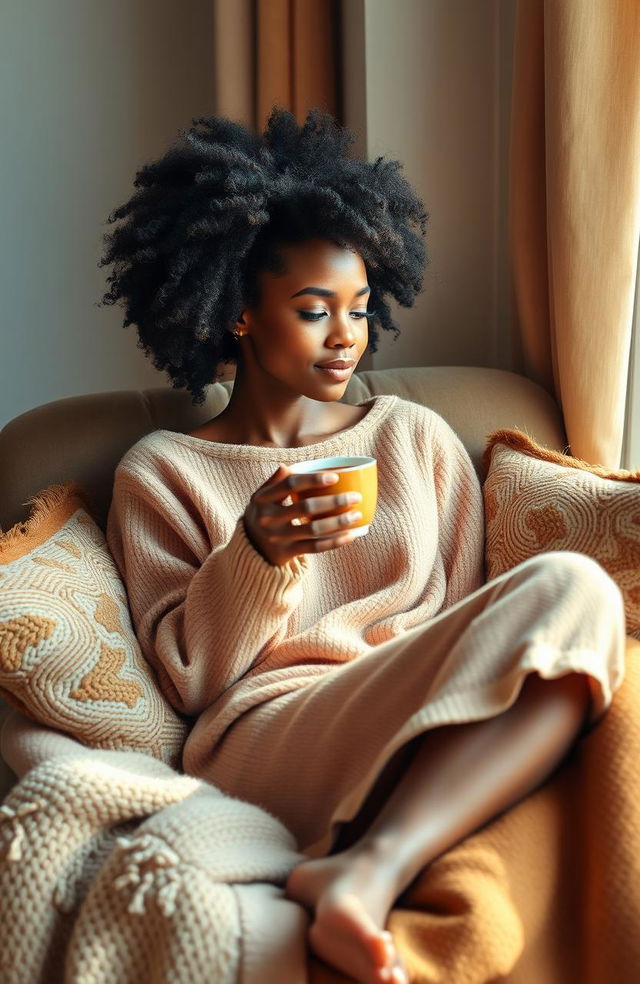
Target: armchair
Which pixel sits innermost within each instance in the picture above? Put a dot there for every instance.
(547, 889)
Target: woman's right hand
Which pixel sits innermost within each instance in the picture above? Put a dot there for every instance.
(268, 521)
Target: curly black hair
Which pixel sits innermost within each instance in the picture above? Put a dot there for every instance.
(211, 213)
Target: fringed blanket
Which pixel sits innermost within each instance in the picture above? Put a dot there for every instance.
(117, 869)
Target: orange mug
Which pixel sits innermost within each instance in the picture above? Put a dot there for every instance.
(357, 473)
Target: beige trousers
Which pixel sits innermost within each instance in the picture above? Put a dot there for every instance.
(312, 757)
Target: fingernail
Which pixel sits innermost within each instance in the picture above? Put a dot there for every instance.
(329, 478)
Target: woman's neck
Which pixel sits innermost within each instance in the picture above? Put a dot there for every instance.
(254, 419)
(264, 412)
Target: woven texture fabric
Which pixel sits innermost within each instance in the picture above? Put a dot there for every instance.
(69, 656)
(114, 868)
(539, 500)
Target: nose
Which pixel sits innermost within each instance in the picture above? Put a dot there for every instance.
(343, 333)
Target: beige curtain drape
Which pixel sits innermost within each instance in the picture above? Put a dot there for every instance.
(276, 52)
(575, 208)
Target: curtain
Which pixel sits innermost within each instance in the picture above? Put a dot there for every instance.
(276, 52)
(575, 209)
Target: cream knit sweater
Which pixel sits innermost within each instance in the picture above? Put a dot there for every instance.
(225, 629)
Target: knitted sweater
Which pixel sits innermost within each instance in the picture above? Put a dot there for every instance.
(225, 629)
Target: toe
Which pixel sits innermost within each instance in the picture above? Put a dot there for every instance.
(393, 973)
(342, 953)
(399, 976)
(392, 976)
(378, 942)
(346, 936)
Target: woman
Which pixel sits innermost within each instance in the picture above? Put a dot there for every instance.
(370, 692)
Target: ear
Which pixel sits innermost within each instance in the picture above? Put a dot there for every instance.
(241, 325)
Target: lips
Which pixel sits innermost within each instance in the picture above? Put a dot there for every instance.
(336, 364)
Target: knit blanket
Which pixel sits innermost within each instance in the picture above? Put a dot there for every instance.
(115, 868)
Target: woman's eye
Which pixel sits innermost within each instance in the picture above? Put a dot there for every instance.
(315, 316)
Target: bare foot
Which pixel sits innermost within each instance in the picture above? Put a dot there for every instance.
(351, 894)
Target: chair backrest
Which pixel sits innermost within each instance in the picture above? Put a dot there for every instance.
(84, 437)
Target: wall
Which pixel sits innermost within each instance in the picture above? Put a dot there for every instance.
(88, 92)
(428, 82)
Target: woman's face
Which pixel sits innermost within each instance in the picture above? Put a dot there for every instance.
(310, 315)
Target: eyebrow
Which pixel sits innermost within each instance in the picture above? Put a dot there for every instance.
(323, 292)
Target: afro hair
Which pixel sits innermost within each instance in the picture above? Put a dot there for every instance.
(210, 214)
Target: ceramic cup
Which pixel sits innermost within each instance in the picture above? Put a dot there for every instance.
(355, 474)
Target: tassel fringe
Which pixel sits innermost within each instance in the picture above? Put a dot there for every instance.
(152, 871)
(520, 441)
(11, 824)
(50, 506)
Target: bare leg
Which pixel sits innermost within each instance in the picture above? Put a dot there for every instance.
(461, 777)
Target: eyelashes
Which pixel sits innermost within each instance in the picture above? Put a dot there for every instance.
(315, 316)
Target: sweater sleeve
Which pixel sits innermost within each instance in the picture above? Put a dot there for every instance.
(460, 511)
(202, 612)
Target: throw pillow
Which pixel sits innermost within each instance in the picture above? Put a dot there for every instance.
(537, 500)
(69, 657)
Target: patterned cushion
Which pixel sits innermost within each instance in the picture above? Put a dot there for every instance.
(536, 500)
(68, 655)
